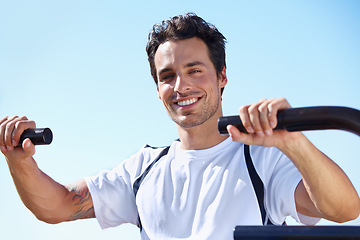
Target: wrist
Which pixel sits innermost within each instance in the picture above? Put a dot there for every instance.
(21, 167)
(293, 143)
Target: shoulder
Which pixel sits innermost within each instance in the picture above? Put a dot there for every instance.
(144, 157)
(149, 153)
(131, 168)
(267, 159)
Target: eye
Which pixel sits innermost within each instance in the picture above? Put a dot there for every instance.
(167, 77)
(194, 71)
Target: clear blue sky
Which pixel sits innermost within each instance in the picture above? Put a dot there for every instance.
(80, 68)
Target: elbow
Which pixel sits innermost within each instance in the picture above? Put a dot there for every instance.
(352, 215)
(347, 213)
(345, 218)
(51, 214)
(49, 219)
(353, 211)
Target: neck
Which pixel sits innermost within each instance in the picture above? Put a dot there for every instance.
(203, 136)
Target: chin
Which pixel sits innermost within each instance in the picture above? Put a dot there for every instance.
(188, 122)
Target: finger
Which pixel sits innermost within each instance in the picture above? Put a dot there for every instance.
(254, 115)
(274, 106)
(272, 116)
(8, 130)
(3, 120)
(245, 119)
(2, 133)
(264, 117)
(20, 127)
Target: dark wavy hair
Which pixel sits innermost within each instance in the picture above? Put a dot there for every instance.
(183, 27)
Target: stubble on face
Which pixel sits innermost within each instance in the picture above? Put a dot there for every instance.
(190, 118)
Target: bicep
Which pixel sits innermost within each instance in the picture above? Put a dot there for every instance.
(80, 201)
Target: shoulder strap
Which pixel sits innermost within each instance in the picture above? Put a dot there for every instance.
(139, 180)
(257, 184)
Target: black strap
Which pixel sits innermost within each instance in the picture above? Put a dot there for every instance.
(139, 180)
(255, 180)
(257, 184)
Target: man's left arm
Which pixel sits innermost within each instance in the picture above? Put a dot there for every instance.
(325, 191)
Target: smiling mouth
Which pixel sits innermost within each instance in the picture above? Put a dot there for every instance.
(187, 102)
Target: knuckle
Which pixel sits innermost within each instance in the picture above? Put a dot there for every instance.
(273, 103)
(253, 108)
(32, 124)
(271, 109)
(4, 119)
(9, 125)
(242, 109)
(262, 100)
(275, 106)
(17, 124)
(263, 108)
(246, 123)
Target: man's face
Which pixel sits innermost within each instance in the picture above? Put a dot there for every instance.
(187, 82)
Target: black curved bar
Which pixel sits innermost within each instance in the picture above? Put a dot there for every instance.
(307, 118)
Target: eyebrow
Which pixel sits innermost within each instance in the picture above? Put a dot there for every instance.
(191, 64)
(195, 63)
(164, 71)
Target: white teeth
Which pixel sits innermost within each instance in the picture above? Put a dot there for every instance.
(187, 102)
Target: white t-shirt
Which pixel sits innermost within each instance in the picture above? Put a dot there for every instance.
(196, 194)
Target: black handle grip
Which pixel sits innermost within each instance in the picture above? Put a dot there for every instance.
(307, 118)
(38, 136)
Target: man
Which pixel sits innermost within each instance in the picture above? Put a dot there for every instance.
(199, 187)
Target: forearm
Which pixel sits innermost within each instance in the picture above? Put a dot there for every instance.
(48, 200)
(41, 195)
(325, 185)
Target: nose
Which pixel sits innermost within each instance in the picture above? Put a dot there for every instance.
(182, 84)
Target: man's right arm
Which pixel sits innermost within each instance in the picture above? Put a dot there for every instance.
(81, 202)
(50, 201)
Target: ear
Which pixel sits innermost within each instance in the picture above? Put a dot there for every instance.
(157, 90)
(223, 78)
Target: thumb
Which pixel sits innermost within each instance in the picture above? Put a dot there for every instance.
(236, 135)
(28, 147)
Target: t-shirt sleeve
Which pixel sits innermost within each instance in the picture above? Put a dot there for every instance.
(112, 196)
(113, 199)
(280, 189)
(112, 192)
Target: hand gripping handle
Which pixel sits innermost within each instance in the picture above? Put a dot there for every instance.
(307, 118)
